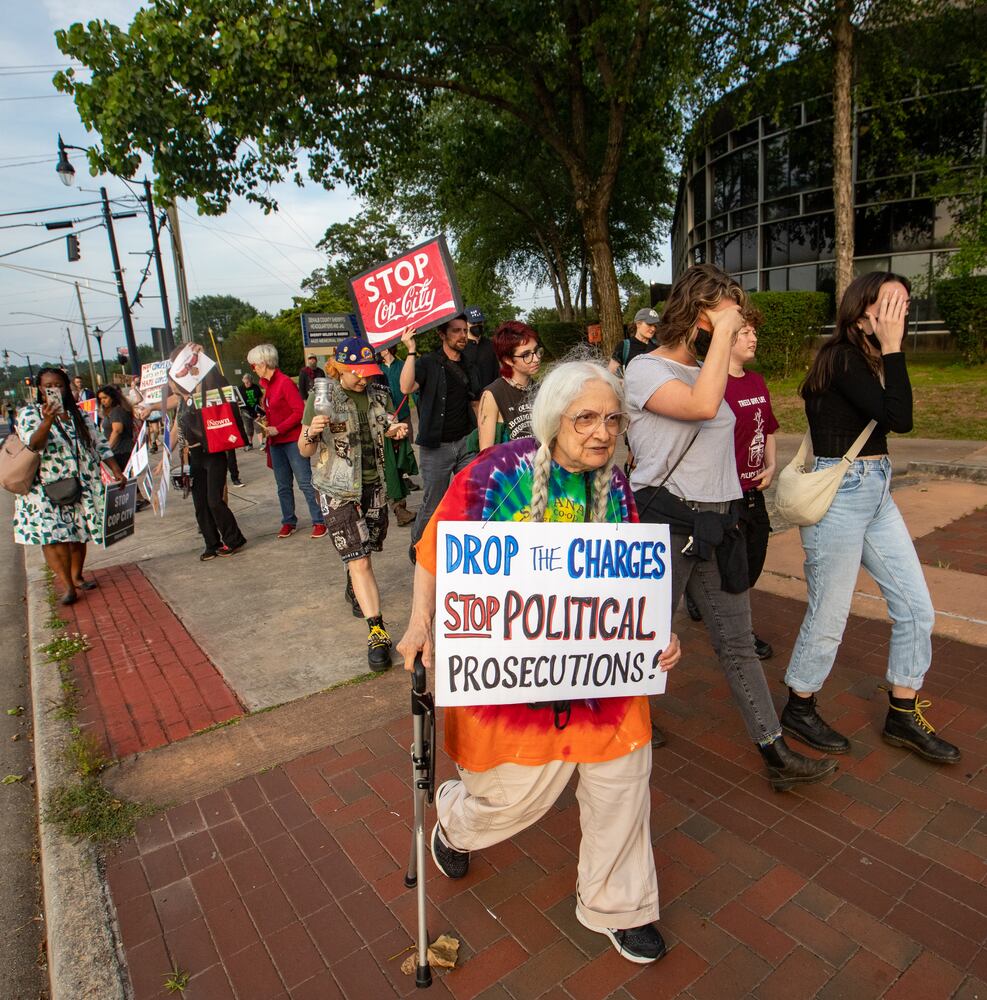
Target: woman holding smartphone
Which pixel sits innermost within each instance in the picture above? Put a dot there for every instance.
(682, 436)
(70, 448)
(859, 375)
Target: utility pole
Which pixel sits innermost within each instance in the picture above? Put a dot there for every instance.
(169, 337)
(75, 357)
(85, 330)
(128, 323)
(180, 282)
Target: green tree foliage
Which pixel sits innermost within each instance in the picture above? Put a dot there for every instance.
(352, 248)
(792, 321)
(283, 331)
(221, 313)
(224, 95)
(963, 304)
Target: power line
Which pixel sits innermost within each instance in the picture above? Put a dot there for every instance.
(28, 163)
(27, 269)
(62, 281)
(51, 208)
(35, 97)
(54, 239)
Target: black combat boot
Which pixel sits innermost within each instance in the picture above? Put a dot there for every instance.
(787, 768)
(801, 720)
(907, 727)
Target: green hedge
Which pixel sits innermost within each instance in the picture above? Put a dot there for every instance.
(792, 321)
(559, 338)
(963, 305)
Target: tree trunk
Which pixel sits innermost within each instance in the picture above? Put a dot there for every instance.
(843, 144)
(605, 290)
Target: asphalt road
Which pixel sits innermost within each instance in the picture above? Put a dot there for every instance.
(22, 977)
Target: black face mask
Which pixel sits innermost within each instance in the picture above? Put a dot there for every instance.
(702, 342)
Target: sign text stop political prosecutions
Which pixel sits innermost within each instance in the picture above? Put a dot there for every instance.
(550, 612)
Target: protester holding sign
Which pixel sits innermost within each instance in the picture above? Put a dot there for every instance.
(448, 388)
(283, 408)
(515, 760)
(220, 532)
(63, 510)
(682, 436)
(349, 476)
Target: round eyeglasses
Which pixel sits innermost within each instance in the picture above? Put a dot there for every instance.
(586, 422)
(529, 356)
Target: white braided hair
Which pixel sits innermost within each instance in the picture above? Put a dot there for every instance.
(556, 393)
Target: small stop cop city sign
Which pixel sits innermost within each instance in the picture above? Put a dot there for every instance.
(417, 288)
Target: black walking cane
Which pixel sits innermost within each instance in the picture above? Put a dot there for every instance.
(423, 785)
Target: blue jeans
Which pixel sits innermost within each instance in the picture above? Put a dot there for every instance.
(289, 464)
(863, 527)
(437, 467)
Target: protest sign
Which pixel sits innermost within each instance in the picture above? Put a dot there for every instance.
(190, 367)
(89, 408)
(328, 329)
(119, 507)
(153, 376)
(550, 612)
(164, 483)
(417, 288)
(138, 457)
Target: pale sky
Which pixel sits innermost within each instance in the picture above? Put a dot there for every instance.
(259, 258)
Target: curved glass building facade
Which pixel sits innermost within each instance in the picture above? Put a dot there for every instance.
(757, 199)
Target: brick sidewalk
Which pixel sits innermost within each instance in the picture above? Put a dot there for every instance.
(144, 681)
(290, 884)
(958, 546)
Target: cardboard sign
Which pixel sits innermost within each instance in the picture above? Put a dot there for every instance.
(153, 376)
(550, 612)
(119, 508)
(417, 289)
(328, 329)
(190, 367)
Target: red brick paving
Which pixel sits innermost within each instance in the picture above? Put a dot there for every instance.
(289, 884)
(958, 546)
(144, 681)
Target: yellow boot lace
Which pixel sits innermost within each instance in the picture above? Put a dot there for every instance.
(917, 712)
(378, 636)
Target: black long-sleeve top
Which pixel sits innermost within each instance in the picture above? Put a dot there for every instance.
(855, 396)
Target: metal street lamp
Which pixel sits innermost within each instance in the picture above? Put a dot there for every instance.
(64, 168)
(98, 334)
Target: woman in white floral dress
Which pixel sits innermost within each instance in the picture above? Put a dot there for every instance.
(69, 446)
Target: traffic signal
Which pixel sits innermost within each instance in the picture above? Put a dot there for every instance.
(72, 246)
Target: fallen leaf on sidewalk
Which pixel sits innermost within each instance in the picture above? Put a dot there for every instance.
(16, 711)
(11, 779)
(442, 953)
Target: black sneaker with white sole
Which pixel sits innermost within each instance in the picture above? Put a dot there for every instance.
(637, 944)
(449, 861)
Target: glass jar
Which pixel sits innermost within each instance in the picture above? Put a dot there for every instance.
(322, 405)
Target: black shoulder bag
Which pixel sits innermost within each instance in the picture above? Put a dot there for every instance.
(66, 492)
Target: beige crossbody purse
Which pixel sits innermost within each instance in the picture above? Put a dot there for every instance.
(804, 497)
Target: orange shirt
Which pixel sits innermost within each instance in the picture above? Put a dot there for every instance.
(480, 737)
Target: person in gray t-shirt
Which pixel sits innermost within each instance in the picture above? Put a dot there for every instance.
(681, 432)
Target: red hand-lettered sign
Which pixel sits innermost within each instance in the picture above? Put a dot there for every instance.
(417, 289)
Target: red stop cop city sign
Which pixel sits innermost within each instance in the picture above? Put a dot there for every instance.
(417, 289)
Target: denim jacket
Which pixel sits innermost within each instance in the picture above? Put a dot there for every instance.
(338, 469)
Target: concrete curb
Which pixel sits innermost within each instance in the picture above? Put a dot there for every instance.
(950, 470)
(83, 962)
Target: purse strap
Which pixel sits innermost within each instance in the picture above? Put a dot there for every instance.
(849, 456)
(668, 476)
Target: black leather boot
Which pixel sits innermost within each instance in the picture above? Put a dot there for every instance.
(786, 768)
(801, 720)
(907, 727)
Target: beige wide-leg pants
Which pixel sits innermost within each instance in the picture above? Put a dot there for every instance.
(616, 883)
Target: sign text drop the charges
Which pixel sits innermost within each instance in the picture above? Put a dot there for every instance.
(550, 612)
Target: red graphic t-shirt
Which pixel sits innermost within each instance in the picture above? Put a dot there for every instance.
(747, 395)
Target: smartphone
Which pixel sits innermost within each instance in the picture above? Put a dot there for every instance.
(53, 397)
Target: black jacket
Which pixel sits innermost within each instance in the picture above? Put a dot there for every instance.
(430, 374)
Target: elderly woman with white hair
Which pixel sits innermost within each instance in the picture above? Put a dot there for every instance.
(514, 761)
(283, 409)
